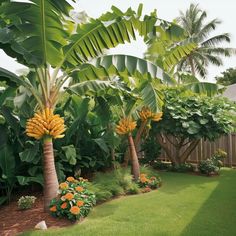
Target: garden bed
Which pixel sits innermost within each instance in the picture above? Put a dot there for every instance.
(13, 221)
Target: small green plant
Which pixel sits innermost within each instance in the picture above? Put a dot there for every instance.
(74, 200)
(26, 202)
(133, 189)
(218, 158)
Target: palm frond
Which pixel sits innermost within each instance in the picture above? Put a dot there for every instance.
(216, 40)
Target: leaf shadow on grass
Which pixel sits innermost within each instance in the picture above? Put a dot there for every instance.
(218, 213)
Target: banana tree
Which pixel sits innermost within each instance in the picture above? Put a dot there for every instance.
(41, 35)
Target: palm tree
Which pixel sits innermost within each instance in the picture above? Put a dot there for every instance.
(207, 51)
(42, 36)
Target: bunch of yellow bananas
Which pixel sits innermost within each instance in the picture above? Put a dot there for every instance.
(157, 116)
(45, 123)
(146, 114)
(125, 126)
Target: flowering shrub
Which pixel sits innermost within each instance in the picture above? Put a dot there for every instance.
(74, 199)
(149, 183)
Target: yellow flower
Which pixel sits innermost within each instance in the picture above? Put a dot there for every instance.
(80, 203)
(70, 179)
(63, 185)
(69, 196)
(75, 210)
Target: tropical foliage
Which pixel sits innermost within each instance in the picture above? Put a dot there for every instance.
(42, 36)
(189, 117)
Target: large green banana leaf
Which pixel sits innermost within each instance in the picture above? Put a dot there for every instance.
(37, 29)
(40, 35)
(122, 66)
(101, 74)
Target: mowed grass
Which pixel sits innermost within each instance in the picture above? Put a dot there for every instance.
(185, 205)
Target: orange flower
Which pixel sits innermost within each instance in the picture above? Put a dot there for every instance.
(64, 205)
(69, 196)
(79, 189)
(143, 179)
(63, 185)
(80, 203)
(70, 179)
(75, 210)
(142, 175)
(53, 208)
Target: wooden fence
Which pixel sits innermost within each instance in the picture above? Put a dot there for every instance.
(206, 149)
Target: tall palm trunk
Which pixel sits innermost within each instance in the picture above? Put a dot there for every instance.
(192, 66)
(135, 170)
(50, 176)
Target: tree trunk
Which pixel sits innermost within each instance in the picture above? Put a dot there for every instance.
(50, 176)
(189, 150)
(164, 145)
(192, 66)
(137, 143)
(135, 171)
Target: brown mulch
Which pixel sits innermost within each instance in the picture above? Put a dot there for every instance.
(14, 221)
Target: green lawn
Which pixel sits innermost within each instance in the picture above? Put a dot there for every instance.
(185, 205)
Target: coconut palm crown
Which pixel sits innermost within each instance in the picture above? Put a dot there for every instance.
(208, 50)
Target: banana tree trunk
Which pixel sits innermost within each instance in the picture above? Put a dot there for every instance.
(137, 143)
(135, 170)
(50, 176)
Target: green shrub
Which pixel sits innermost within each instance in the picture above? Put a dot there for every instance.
(207, 167)
(74, 200)
(119, 182)
(26, 202)
(213, 164)
(133, 188)
(162, 165)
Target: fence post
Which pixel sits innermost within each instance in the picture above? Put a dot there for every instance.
(229, 151)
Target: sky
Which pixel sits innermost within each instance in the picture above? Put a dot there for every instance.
(166, 9)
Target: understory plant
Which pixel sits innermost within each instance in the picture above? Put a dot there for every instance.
(26, 202)
(74, 200)
(212, 165)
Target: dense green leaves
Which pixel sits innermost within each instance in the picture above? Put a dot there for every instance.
(228, 77)
(7, 164)
(39, 33)
(192, 116)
